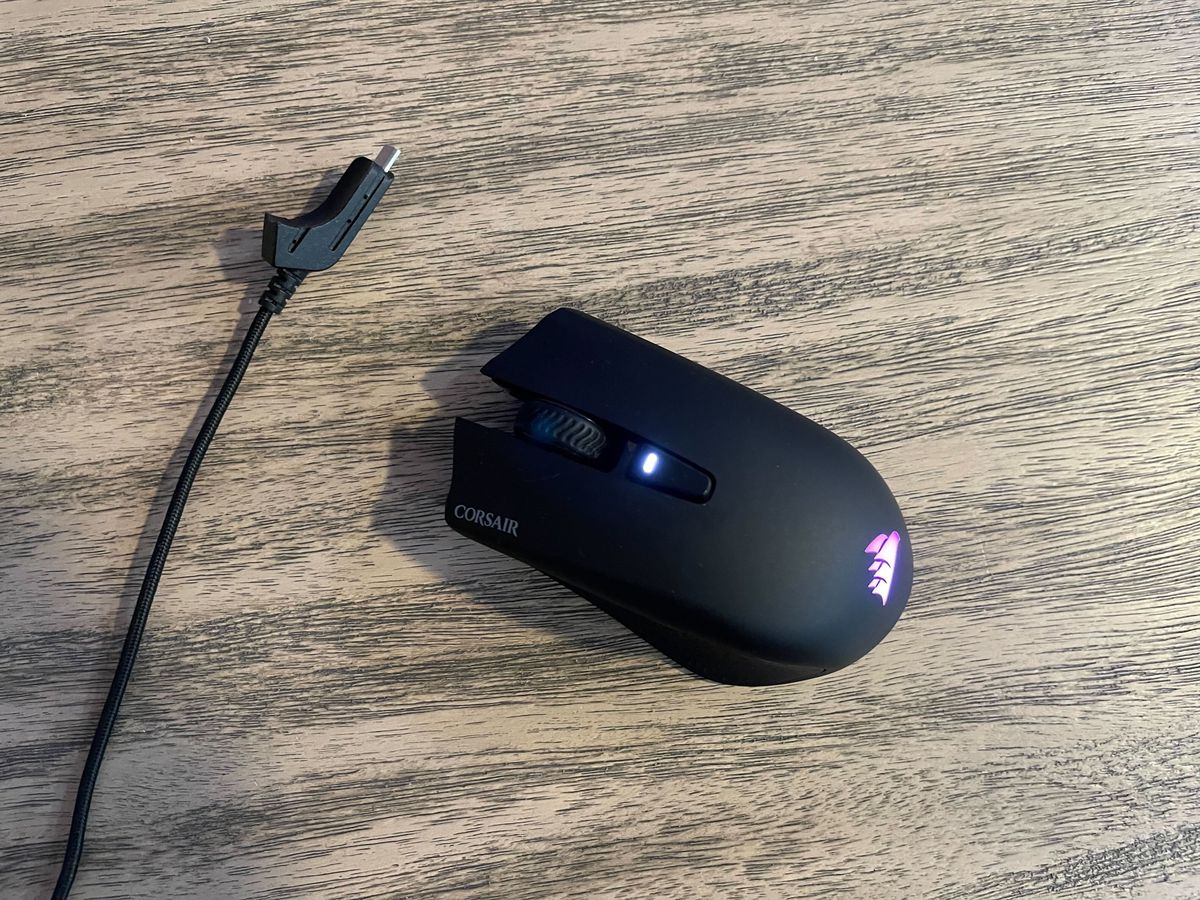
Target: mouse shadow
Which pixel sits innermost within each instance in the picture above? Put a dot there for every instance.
(411, 505)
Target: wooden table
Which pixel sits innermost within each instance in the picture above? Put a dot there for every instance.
(963, 236)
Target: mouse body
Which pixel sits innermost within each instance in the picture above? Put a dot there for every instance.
(744, 541)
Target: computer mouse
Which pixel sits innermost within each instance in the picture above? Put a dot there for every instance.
(744, 541)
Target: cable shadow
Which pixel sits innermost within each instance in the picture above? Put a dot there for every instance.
(409, 511)
(240, 259)
(238, 253)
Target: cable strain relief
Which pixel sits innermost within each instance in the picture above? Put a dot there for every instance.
(280, 289)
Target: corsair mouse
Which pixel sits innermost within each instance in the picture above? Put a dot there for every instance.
(744, 541)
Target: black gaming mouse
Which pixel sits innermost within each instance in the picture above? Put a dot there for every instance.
(744, 541)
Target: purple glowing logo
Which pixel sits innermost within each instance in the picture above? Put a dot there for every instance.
(883, 566)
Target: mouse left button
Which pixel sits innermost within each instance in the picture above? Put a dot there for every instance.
(561, 428)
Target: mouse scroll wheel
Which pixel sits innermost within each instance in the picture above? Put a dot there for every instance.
(560, 428)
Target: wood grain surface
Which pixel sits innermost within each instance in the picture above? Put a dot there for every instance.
(964, 236)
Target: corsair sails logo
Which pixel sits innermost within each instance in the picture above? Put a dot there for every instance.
(886, 547)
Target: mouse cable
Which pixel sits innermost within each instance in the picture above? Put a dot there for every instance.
(309, 243)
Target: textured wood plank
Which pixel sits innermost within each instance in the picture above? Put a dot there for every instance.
(963, 236)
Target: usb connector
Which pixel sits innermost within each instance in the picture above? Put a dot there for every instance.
(316, 240)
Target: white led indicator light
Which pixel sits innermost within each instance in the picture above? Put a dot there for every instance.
(649, 463)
